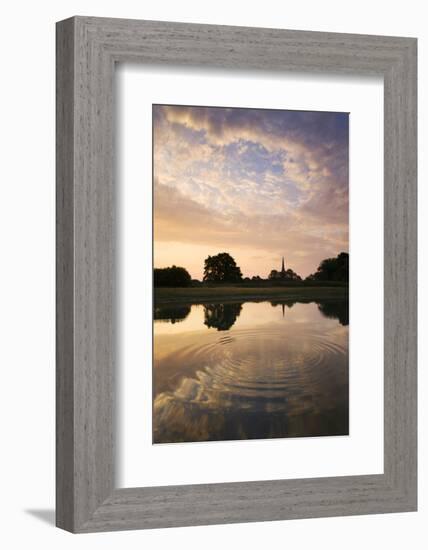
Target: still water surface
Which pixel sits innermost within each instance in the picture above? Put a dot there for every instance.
(250, 371)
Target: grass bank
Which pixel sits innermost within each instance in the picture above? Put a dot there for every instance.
(212, 294)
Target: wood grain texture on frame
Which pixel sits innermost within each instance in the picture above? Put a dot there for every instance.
(87, 50)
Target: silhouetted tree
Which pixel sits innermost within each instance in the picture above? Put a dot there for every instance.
(332, 269)
(221, 316)
(171, 276)
(291, 275)
(222, 268)
(288, 275)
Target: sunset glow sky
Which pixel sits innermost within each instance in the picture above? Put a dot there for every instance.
(259, 184)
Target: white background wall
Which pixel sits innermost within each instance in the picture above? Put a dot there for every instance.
(27, 271)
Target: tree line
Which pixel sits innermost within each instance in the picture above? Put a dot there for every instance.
(222, 268)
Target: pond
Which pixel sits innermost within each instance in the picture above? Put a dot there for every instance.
(233, 371)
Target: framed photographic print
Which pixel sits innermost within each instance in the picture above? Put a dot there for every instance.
(236, 274)
(244, 351)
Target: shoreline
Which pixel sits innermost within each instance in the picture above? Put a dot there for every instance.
(213, 294)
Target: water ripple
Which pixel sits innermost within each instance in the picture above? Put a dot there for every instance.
(259, 382)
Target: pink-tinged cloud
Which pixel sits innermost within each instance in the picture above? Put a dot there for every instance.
(258, 183)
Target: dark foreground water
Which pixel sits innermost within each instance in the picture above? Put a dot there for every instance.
(250, 371)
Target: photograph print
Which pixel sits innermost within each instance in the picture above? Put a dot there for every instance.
(250, 273)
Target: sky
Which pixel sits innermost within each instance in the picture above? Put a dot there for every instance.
(259, 184)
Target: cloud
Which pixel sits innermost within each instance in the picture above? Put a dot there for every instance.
(272, 180)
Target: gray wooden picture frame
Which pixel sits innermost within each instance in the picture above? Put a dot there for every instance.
(87, 50)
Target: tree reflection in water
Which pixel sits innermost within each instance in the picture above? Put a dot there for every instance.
(269, 377)
(224, 316)
(221, 316)
(331, 309)
(335, 310)
(171, 314)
